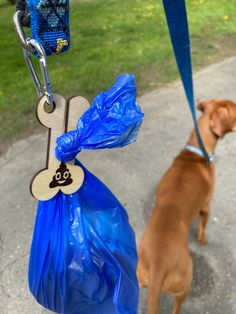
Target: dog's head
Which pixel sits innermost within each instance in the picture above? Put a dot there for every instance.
(221, 115)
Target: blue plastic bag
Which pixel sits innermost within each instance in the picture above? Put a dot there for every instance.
(83, 255)
(112, 121)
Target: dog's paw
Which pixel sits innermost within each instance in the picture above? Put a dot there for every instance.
(202, 239)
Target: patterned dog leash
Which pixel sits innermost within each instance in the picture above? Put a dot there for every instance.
(177, 20)
(48, 21)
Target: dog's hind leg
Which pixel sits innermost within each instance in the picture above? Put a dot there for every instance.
(179, 301)
(153, 300)
(154, 291)
(204, 215)
(185, 285)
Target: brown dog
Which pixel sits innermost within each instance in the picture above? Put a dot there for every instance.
(185, 191)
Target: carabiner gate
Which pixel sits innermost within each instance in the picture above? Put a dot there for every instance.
(31, 46)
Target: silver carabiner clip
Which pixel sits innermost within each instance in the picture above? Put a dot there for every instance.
(47, 90)
(29, 47)
(17, 17)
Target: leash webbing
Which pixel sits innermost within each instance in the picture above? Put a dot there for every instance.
(49, 23)
(21, 5)
(176, 15)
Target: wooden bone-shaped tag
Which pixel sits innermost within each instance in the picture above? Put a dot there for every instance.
(58, 176)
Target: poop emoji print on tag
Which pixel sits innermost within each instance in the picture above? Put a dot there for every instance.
(62, 177)
(58, 176)
(47, 183)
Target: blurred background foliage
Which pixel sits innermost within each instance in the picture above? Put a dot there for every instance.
(109, 37)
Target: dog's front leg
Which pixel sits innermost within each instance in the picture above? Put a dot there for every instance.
(204, 215)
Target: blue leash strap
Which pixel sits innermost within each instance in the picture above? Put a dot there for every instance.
(176, 15)
(49, 23)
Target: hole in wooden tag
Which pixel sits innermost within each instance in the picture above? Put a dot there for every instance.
(49, 108)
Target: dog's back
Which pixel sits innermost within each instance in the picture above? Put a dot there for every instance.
(186, 186)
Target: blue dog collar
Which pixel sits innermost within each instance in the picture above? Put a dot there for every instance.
(49, 23)
(198, 151)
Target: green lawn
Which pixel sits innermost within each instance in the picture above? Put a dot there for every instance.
(109, 37)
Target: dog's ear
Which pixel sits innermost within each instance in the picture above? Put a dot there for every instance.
(220, 122)
(201, 106)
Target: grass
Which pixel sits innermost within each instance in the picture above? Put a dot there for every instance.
(109, 37)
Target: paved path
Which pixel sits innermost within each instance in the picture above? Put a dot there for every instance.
(132, 174)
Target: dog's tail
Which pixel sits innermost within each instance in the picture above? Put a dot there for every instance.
(154, 291)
